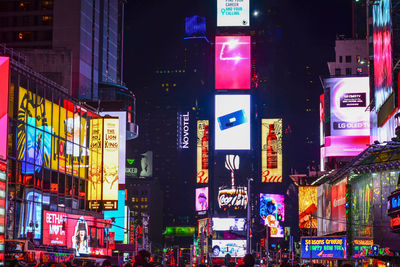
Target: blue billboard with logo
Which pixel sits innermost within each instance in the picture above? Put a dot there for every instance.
(323, 248)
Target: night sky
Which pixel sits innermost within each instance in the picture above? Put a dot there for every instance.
(154, 31)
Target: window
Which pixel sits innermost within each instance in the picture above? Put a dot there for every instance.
(348, 59)
(340, 59)
(337, 72)
(348, 71)
(358, 59)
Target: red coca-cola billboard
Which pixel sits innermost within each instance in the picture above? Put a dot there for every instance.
(338, 206)
(74, 231)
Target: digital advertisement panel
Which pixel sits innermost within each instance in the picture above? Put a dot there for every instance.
(232, 198)
(146, 165)
(232, 62)
(308, 200)
(350, 126)
(232, 122)
(272, 212)
(95, 163)
(323, 248)
(110, 163)
(119, 216)
(77, 233)
(4, 86)
(338, 206)
(201, 201)
(236, 248)
(271, 150)
(228, 224)
(233, 13)
(202, 151)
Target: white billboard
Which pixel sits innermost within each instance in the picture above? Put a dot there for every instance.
(236, 248)
(233, 13)
(232, 122)
(228, 224)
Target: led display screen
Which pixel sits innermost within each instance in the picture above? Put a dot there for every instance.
(228, 224)
(232, 122)
(95, 163)
(202, 150)
(233, 13)
(234, 198)
(272, 212)
(349, 122)
(119, 216)
(232, 62)
(201, 201)
(308, 206)
(179, 231)
(338, 206)
(382, 30)
(236, 248)
(146, 164)
(4, 80)
(323, 248)
(271, 150)
(79, 232)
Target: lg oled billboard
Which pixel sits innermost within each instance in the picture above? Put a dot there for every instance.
(4, 80)
(271, 150)
(232, 122)
(232, 62)
(202, 151)
(201, 201)
(233, 13)
(349, 122)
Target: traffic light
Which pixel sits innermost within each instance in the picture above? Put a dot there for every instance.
(348, 199)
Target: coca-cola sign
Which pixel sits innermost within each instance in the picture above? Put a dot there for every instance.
(232, 198)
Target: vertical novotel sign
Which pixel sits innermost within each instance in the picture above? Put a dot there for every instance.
(183, 130)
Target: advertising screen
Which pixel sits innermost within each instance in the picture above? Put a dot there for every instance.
(119, 216)
(233, 13)
(236, 248)
(382, 43)
(323, 248)
(95, 163)
(201, 201)
(232, 122)
(202, 150)
(146, 165)
(350, 126)
(308, 206)
(79, 232)
(228, 224)
(272, 212)
(232, 62)
(4, 80)
(232, 198)
(271, 150)
(338, 206)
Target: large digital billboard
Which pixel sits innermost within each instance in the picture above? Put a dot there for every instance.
(110, 163)
(202, 151)
(382, 43)
(228, 224)
(231, 13)
(119, 216)
(95, 163)
(236, 248)
(323, 248)
(78, 233)
(232, 122)
(349, 121)
(232, 198)
(201, 201)
(4, 83)
(338, 206)
(272, 212)
(232, 62)
(308, 206)
(271, 150)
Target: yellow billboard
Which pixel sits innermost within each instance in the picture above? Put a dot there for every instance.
(308, 206)
(110, 163)
(95, 163)
(202, 151)
(271, 150)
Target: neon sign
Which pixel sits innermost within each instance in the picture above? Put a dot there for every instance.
(235, 198)
(394, 202)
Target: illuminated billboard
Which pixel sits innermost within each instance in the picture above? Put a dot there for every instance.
(202, 150)
(236, 248)
(119, 216)
(146, 164)
(234, 198)
(349, 121)
(272, 212)
(382, 43)
(271, 150)
(308, 207)
(233, 13)
(232, 62)
(228, 224)
(95, 163)
(232, 122)
(201, 201)
(77, 233)
(323, 248)
(338, 206)
(4, 80)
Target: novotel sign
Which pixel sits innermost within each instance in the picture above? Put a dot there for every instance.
(183, 130)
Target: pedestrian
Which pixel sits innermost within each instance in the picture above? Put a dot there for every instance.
(142, 259)
(248, 260)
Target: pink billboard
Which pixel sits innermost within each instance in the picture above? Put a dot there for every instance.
(232, 62)
(74, 231)
(338, 206)
(201, 199)
(4, 76)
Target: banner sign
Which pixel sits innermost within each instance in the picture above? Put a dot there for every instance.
(202, 151)
(271, 150)
(323, 248)
(233, 13)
